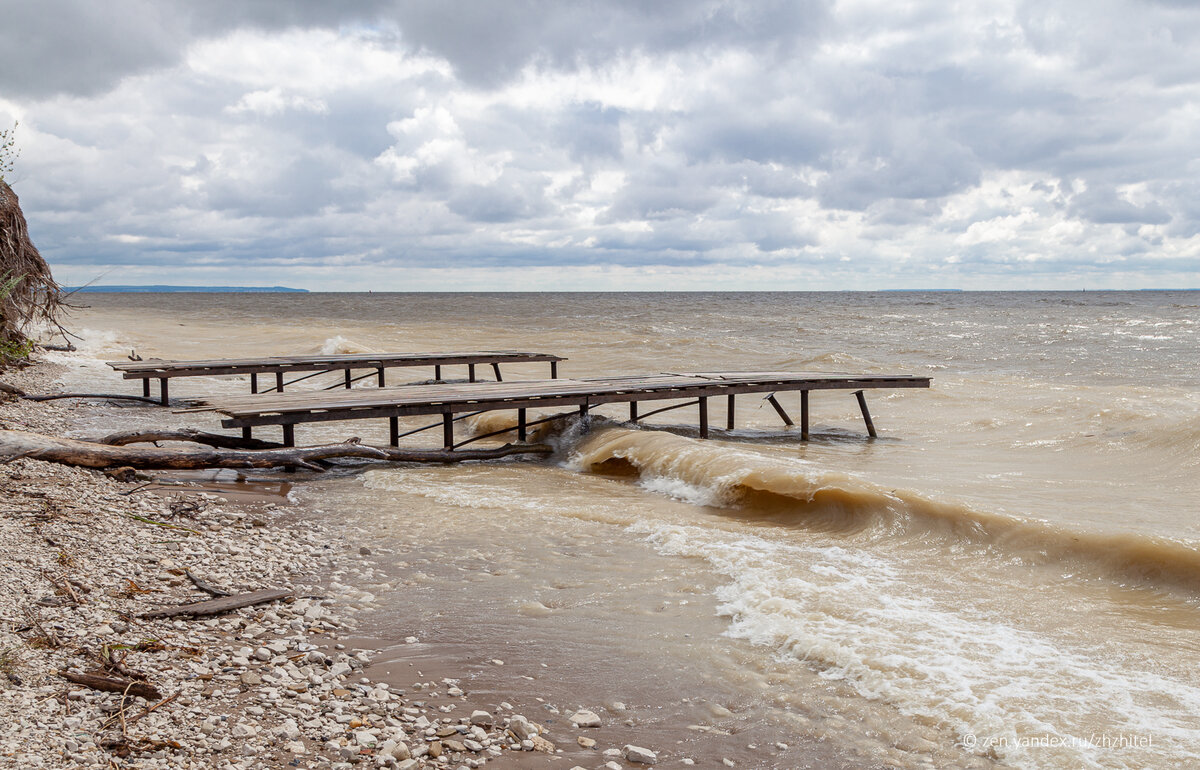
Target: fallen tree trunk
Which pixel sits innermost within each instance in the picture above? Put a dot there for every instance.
(189, 434)
(15, 444)
(87, 454)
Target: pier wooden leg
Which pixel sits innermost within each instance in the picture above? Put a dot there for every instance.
(289, 435)
(347, 379)
(729, 412)
(162, 390)
(278, 382)
(583, 410)
(778, 408)
(448, 430)
(862, 405)
(247, 432)
(804, 415)
(437, 372)
(554, 370)
(633, 411)
(470, 372)
(521, 429)
(393, 430)
(146, 387)
(381, 382)
(496, 369)
(703, 404)
(254, 382)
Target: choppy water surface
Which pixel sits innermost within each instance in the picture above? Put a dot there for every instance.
(1009, 576)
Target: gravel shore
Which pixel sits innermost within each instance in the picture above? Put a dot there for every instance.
(83, 556)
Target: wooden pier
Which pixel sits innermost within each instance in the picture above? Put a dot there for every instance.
(280, 366)
(455, 401)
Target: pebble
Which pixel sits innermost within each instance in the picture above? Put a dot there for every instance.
(585, 718)
(639, 754)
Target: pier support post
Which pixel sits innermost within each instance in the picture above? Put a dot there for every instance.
(729, 412)
(702, 402)
(862, 405)
(247, 433)
(254, 382)
(393, 430)
(447, 430)
(521, 429)
(471, 372)
(347, 379)
(804, 415)
(496, 369)
(633, 411)
(146, 387)
(381, 379)
(278, 382)
(779, 409)
(583, 410)
(437, 372)
(289, 434)
(554, 370)
(162, 390)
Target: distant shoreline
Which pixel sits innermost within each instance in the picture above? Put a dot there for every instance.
(162, 289)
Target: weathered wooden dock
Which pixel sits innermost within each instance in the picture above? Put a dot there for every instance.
(455, 401)
(164, 370)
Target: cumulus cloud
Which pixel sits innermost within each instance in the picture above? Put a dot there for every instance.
(723, 143)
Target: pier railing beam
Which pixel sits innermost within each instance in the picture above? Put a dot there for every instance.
(804, 415)
(779, 409)
(702, 402)
(862, 405)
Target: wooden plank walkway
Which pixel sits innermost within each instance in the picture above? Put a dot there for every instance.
(450, 399)
(164, 370)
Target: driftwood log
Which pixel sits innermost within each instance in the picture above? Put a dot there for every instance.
(15, 444)
(190, 435)
(222, 604)
(113, 684)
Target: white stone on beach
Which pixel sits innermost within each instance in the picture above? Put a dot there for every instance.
(585, 718)
(482, 718)
(639, 754)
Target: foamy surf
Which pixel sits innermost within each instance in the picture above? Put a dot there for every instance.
(1003, 691)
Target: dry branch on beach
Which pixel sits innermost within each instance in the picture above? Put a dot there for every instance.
(113, 452)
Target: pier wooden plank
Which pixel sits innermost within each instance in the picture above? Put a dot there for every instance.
(154, 368)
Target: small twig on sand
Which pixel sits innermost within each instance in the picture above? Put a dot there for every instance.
(205, 587)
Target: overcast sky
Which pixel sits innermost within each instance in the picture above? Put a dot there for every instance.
(548, 144)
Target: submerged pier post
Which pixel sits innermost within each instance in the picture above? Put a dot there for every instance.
(804, 415)
(702, 402)
(779, 409)
(729, 413)
(862, 405)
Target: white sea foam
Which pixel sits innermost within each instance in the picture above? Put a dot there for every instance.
(863, 619)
